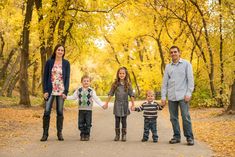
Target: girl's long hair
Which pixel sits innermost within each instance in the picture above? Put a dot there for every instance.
(127, 80)
(55, 49)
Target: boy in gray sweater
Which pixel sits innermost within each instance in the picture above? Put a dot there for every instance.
(85, 96)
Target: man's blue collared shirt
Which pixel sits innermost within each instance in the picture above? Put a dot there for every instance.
(178, 81)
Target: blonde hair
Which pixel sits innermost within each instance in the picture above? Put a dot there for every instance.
(85, 76)
(148, 92)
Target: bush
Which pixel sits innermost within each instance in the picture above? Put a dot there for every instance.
(203, 99)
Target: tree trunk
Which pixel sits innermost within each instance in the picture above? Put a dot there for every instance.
(141, 56)
(68, 31)
(211, 75)
(158, 39)
(192, 52)
(14, 79)
(52, 25)
(2, 44)
(136, 83)
(232, 98)
(12, 85)
(61, 29)
(61, 26)
(34, 81)
(10, 76)
(4, 68)
(221, 51)
(197, 75)
(114, 52)
(24, 91)
(163, 65)
(38, 4)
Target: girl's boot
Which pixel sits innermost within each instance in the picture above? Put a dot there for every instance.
(117, 137)
(124, 134)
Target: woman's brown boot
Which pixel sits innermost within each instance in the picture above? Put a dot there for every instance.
(46, 123)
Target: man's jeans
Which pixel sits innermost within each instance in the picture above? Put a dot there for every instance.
(187, 125)
(150, 124)
(84, 122)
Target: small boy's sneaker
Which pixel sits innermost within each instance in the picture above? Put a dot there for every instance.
(82, 138)
(86, 138)
(144, 140)
(155, 140)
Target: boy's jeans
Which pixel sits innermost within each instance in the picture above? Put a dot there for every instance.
(187, 125)
(150, 124)
(84, 122)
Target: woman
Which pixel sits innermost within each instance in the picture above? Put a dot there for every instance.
(55, 86)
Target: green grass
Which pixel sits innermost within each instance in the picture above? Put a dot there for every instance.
(12, 101)
(9, 101)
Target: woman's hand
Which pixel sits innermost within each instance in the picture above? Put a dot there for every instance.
(46, 96)
(105, 106)
(64, 96)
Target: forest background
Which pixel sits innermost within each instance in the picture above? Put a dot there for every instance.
(102, 35)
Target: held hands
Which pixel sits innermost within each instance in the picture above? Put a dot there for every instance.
(105, 106)
(163, 102)
(187, 98)
(132, 108)
(64, 96)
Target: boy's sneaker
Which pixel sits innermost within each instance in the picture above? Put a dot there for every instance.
(174, 140)
(155, 140)
(82, 138)
(86, 138)
(144, 140)
(190, 141)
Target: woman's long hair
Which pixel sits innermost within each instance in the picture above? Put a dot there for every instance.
(55, 49)
(127, 80)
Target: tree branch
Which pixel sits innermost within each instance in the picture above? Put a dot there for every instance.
(98, 11)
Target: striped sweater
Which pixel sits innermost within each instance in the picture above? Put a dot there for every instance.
(149, 108)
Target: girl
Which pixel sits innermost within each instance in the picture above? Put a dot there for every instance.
(121, 88)
(55, 86)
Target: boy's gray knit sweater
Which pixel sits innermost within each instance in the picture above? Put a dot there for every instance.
(85, 98)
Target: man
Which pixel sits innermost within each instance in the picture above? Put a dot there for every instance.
(178, 85)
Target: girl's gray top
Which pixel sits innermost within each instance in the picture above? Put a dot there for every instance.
(121, 103)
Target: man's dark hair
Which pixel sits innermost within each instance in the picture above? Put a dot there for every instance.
(173, 47)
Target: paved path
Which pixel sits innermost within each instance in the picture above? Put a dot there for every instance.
(101, 143)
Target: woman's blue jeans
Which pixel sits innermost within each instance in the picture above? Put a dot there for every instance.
(59, 112)
(59, 105)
